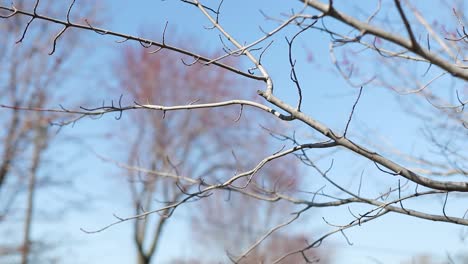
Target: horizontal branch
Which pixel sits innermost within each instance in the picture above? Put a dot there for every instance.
(112, 109)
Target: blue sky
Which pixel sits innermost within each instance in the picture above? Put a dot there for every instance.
(328, 98)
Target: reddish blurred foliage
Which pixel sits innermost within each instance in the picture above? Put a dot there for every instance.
(176, 142)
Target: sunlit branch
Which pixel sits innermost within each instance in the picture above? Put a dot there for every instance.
(99, 111)
(263, 71)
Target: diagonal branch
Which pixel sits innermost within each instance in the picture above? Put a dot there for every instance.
(147, 42)
(371, 155)
(394, 38)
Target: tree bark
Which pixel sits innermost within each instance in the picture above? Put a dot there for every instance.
(143, 259)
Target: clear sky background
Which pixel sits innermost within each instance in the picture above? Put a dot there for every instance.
(101, 190)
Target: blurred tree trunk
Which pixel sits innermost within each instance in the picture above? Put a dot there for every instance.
(28, 78)
(143, 259)
(40, 144)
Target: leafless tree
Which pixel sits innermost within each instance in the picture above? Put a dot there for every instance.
(28, 79)
(398, 35)
(153, 78)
